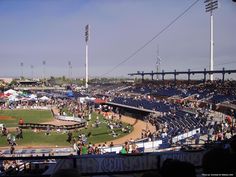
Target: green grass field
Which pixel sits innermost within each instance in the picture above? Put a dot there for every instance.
(29, 116)
(98, 135)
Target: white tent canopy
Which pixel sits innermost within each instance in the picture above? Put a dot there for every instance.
(86, 99)
(44, 98)
(33, 96)
(13, 98)
(10, 91)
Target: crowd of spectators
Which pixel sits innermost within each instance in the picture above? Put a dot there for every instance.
(170, 121)
(81, 147)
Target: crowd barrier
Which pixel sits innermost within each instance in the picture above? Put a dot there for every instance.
(34, 107)
(185, 135)
(107, 163)
(52, 127)
(141, 146)
(154, 145)
(116, 163)
(70, 118)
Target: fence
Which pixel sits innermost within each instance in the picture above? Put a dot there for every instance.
(185, 135)
(70, 118)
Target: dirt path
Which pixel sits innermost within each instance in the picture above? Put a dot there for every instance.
(138, 127)
(57, 122)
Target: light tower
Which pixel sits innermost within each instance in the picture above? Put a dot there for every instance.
(22, 70)
(158, 62)
(86, 55)
(211, 5)
(69, 69)
(44, 72)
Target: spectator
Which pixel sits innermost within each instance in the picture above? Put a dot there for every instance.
(84, 149)
(210, 134)
(21, 121)
(91, 149)
(123, 150)
(12, 149)
(48, 130)
(4, 131)
(126, 146)
(197, 137)
(69, 137)
(134, 148)
(111, 144)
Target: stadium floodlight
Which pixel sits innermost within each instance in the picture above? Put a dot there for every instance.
(86, 55)
(44, 72)
(22, 69)
(69, 69)
(210, 6)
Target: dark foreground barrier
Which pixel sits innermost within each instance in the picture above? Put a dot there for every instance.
(101, 164)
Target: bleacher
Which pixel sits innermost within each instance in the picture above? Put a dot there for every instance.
(219, 98)
(178, 123)
(142, 103)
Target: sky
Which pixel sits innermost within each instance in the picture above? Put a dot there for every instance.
(33, 31)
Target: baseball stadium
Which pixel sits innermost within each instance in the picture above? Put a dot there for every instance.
(163, 123)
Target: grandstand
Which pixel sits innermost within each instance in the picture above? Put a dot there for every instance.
(156, 124)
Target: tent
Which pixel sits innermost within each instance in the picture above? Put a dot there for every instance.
(2, 95)
(33, 97)
(69, 93)
(13, 98)
(99, 101)
(10, 91)
(44, 98)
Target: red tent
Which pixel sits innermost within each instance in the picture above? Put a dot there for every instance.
(99, 101)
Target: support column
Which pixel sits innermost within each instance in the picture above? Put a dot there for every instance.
(189, 75)
(204, 80)
(142, 76)
(223, 75)
(163, 75)
(175, 76)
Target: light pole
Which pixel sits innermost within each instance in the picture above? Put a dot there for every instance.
(44, 63)
(86, 55)
(211, 5)
(71, 75)
(69, 67)
(22, 72)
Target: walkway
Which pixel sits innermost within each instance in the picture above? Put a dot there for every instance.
(138, 126)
